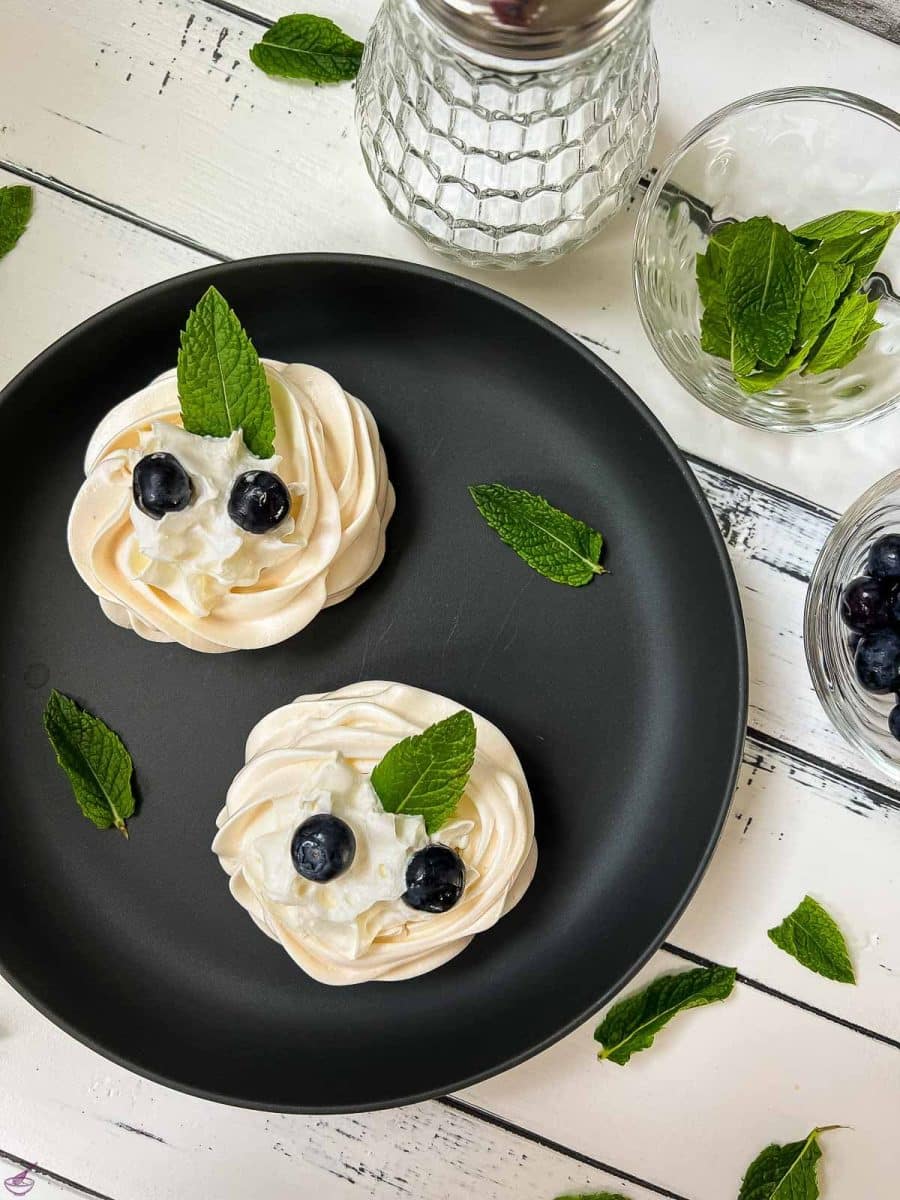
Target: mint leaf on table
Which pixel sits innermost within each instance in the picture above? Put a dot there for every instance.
(221, 382)
(786, 1172)
(763, 286)
(845, 336)
(634, 1022)
(426, 774)
(97, 764)
(813, 937)
(304, 46)
(557, 546)
(16, 204)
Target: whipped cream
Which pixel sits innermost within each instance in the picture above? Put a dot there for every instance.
(316, 755)
(193, 576)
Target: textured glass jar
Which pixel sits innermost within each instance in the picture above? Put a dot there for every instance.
(501, 162)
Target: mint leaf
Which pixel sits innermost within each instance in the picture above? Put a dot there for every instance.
(824, 285)
(743, 360)
(785, 1172)
(841, 336)
(813, 937)
(221, 382)
(558, 546)
(426, 774)
(304, 46)
(715, 334)
(634, 1022)
(769, 377)
(97, 764)
(845, 224)
(16, 204)
(763, 285)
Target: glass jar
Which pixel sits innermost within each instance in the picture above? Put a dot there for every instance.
(501, 137)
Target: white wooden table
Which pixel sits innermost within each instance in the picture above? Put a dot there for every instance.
(155, 147)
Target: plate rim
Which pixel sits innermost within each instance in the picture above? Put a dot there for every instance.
(213, 272)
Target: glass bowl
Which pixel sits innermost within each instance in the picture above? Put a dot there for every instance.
(792, 154)
(859, 715)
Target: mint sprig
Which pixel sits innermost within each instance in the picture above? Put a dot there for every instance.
(16, 204)
(426, 774)
(558, 546)
(777, 301)
(633, 1023)
(786, 1172)
(98, 766)
(813, 937)
(304, 46)
(221, 382)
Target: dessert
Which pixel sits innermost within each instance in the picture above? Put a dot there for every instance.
(354, 892)
(192, 538)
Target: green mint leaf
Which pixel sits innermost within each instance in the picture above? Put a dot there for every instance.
(763, 285)
(16, 204)
(811, 936)
(718, 249)
(823, 287)
(761, 381)
(221, 382)
(786, 1172)
(557, 546)
(709, 285)
(634, 1022)
(743, 361)
(93, 757)
(715, 334)
(426, 774)
(845, 224)
(841, 336)
(304, 46)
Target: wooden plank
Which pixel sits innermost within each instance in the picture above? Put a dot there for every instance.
(162, 113)
(878, 16)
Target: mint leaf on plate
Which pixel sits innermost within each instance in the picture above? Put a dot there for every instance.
(558, 546)
(16, 204)
(634, 1022)
(221, 382)
(813, 937)
(98, 766)
(427, 773)
(786, 1172)
(304, 46)
(763, 286)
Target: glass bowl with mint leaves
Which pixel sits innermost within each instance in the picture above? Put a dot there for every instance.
(767, 260)
(851, 626)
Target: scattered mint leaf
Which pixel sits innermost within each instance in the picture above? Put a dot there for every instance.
(841, 335)
(558, 546)
(785, 1172)
(823, 287)
(813, 937)
(16, 204)
(763, 285)
(221, 382)
(634, 1022)
(93, 757)
(845, 223)
(304, 46)
(426, 774)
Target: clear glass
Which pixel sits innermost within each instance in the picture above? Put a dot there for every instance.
(860, 716)
(499, 166)
(793, 154)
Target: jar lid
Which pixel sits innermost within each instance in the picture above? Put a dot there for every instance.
(530, 29)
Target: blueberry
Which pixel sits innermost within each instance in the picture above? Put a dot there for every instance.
(322, 848)
(894, 722)
(259, 501)
(161, 485)
(435, 878)
(877, 661)
(893, 606)
(864, 605)
(883, 561)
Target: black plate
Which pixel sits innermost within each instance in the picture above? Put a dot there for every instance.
(626, 700)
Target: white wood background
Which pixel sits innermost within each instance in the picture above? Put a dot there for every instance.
(155, 147)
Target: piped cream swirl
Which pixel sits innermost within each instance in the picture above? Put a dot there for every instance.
(193, 577)
(316, 755)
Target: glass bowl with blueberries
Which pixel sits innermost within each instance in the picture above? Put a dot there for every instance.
(852, 625)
